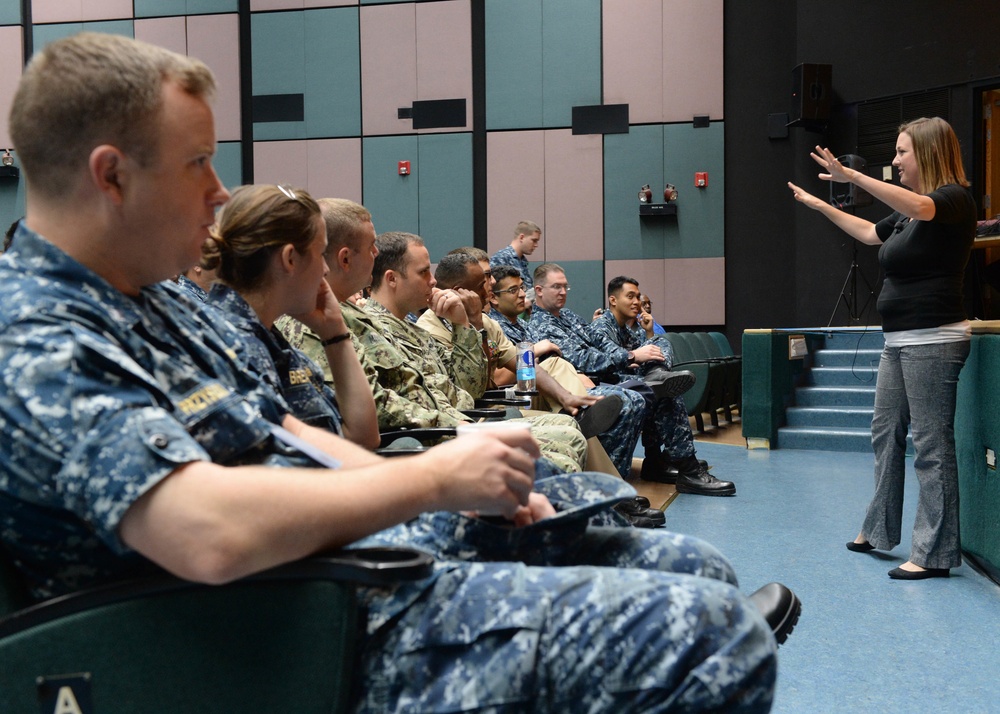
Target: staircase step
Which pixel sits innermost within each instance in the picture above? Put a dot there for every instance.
(842, 376)
(835, 396)
(853, 417)
(859, 359)
(820, 439)
(854, 340)
(830, 439)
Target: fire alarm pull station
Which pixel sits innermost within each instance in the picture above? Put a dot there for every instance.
(701, 179)
(404, 168)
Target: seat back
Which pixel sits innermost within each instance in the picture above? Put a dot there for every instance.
(13, 594)
(724, 347)
(251, 646)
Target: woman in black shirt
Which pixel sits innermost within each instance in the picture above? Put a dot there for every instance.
(925, 244)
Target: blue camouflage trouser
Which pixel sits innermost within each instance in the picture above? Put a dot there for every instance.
(641, 621)
(668, 427)
(620, 440)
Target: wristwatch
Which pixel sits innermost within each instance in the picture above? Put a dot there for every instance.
(630, 356)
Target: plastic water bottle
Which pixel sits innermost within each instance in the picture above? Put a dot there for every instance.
(525, 367)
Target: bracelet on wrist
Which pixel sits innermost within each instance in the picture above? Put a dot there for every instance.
(335, 339)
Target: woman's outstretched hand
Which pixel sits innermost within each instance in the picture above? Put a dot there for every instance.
(834, 169)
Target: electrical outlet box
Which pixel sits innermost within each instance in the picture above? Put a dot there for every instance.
(887, 173)
(991, 459)
(797, 348)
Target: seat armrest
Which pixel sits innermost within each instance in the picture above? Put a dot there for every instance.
(363, 566)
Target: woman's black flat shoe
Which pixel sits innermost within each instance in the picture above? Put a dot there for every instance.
(860, 547)
(900, 574)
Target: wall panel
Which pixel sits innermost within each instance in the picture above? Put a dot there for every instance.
(388, 67)
(11, 59)
(444, 54)
(10, 12)
(574, 192)
(571, 58)
(514, 89)
(586, 278)
(334, 168)
(393, 200)
(281, 162)
(699, 230)
(515, 162)
(692, 59)
(169, 32)
(332, 73)
(630, 161)
(279, 60)
(633, 58)
(694, 292)
(445, 185)
(214, 39)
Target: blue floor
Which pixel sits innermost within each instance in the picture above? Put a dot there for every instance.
(865, 643)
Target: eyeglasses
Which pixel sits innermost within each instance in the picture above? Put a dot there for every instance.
(558, 287)
(511, 291)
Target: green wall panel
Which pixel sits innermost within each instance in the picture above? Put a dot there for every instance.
(165, 8)
(228, 163)
(278, 66)
(630, 161)
(514, 96)
(571, 58)
(333, 72)
(699, 229)
(392, 199)
(10, 12)
(44, 34)
(444, 162)
(315, 53)
(656, 154)
(586, 278)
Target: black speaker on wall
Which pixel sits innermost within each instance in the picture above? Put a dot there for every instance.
(847, 195)
(812, 94)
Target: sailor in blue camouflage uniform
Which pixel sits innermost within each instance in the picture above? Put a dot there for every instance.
(621, 440)
(289, 372)
(134, 433)
(593, 348)
(527, 236)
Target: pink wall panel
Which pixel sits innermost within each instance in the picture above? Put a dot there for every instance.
(574, 196)
(694, 292)
(80, 10)
(692, 59)
(169, 32)
(649, 273)
(388, 67)
(334, 168)
(106, 10)
(258, 5)
(633, 57)
(323, 167)
(11, 58)
(281, 162)
(516, 185)
(444, 53)
(56, 10)
(214, 39)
